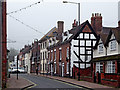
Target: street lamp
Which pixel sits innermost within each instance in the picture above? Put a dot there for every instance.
(78, 9)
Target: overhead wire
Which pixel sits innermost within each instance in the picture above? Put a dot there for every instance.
(26, 24)
(24, 8)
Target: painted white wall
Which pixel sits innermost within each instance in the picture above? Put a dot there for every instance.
(41, 51)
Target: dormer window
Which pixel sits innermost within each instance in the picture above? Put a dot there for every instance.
(113, 45)
(100, 48)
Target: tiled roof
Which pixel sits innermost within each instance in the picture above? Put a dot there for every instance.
(106, 33)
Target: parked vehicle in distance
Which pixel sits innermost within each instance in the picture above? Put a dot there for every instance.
(20, 70)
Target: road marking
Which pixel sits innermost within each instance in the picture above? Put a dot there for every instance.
(30, 82)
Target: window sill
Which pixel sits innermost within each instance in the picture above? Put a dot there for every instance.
(112, 49)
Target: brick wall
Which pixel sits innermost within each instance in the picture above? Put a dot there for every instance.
(64, 55)
(85, 74)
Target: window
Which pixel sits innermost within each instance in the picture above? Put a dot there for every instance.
(67, 67)
(46, 67)
(55, 56)
(55, 68)
(86, 36)
(99, 67)
(100, 48)
(113, 45)
(43, 55)
(60, 53)
(68, 52)
(41, 45)
(110, 67)
(51, 56)
(45, 44)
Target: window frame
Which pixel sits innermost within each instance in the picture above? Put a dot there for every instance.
(110, 66)
(100, 48)
(113, 45)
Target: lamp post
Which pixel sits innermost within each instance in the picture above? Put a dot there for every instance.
(78, 9)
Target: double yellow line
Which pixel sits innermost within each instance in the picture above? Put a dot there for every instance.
(33, 84)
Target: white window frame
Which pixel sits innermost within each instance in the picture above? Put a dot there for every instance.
(100, 48)
(60, 53)
(67, 67)
(68, 52)
(55, 69)
(113, 45)
(98, 67)
(110, 67)
(54, 55)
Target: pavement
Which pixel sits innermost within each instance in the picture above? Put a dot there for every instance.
(21, 83)
(84, 84)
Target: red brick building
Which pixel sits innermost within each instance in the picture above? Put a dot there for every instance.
(35, 57)
(4, 46)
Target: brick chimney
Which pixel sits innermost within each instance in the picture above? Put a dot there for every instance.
(96, 22)
(60, 27)
(119, 23)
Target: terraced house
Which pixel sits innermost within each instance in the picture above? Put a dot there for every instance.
(106, 61)
(44, 43)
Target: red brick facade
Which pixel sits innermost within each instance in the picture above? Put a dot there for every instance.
(85, 74)
(58, 61)
(35, 57)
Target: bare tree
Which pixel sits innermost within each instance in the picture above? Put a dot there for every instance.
(13, 52)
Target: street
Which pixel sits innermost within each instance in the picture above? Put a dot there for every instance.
(43, 82)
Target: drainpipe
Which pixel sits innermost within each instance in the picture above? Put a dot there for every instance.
(0, 45)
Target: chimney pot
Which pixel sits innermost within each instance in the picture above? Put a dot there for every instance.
(96, 23)
(95, 14)
(92, 14)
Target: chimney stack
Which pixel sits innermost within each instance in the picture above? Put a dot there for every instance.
(96, 22)
(74, 24)
(119, 23)
(60, 27)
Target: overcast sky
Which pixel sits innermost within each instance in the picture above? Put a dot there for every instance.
(44, 16)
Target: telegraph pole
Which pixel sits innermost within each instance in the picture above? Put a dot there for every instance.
(0, 45)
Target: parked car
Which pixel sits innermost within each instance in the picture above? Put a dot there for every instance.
(20, 70)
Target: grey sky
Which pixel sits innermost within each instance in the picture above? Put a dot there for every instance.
(45, 15)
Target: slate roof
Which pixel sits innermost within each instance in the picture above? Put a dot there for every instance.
(75, 32)
(106, 34)
(49, 34)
